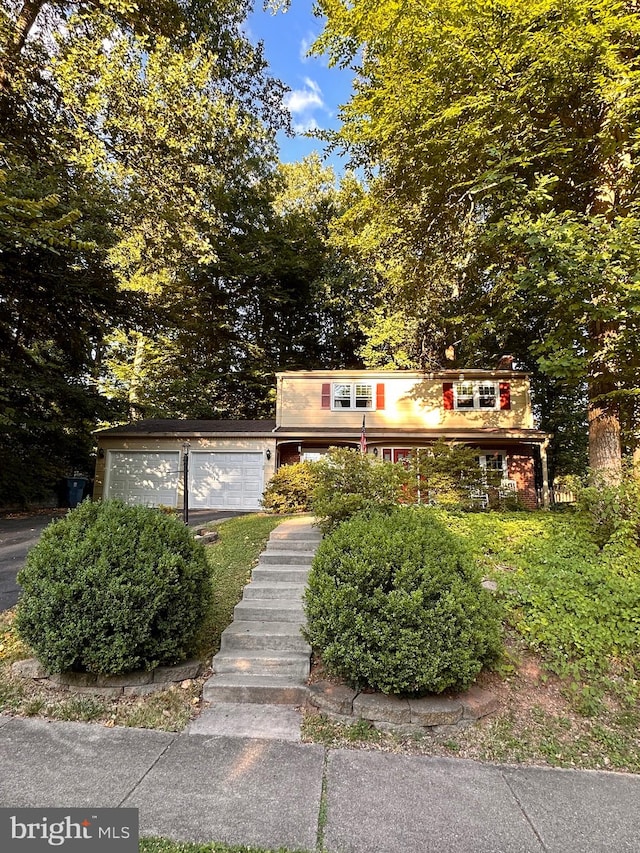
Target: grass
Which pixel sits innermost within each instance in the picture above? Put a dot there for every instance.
(231, 559)
(569, 713)
(569, 682)
(163, 845)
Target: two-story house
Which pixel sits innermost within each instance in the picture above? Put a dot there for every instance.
(229, 463)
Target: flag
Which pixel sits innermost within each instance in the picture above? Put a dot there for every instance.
(363, 438)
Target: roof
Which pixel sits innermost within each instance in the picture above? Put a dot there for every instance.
(175, 427)
(380, 434)
(457, 375)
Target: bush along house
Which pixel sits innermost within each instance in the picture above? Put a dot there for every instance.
(384, 413)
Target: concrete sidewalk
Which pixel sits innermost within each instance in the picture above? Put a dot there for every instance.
(269, 793)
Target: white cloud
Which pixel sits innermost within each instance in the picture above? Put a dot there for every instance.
(305, 45)
(306, 126)
(301, 101)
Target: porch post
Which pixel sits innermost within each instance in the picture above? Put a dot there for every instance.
(545, 473)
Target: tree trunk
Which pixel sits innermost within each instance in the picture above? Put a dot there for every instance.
(135, 409)
(22, 27)
(605, 451)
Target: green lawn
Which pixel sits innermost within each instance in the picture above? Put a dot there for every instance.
(572, 612)
(570, 679)
(231, 559)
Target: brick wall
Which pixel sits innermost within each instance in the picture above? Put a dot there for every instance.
(521, 469)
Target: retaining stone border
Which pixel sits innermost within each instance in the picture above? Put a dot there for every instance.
(109, 686)
(432, 714)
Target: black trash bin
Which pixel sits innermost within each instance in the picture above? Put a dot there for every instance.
(75, 490)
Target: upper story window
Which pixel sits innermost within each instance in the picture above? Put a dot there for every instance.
(476, 395)
(352, 395)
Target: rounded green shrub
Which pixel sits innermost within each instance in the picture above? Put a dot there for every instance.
(112, 588)
(395, 603)
(290, 488)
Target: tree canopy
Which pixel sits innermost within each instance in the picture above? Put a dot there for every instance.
(132, 140)
(502, 139)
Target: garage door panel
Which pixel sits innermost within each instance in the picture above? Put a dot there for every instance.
(144, 477)
(224, 480)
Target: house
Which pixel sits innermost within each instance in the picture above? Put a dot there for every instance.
(230, 462)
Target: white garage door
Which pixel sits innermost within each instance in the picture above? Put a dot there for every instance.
(143, 477)
(226, 480)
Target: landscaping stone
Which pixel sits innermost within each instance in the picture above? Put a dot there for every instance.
(435, 711)
(207, 536)
(477, 703)
(30, 668)
(130, 683)
(436, 715)
(188, 669)
(377, 706)
(74, 679)
(127, 679)
(333, 698)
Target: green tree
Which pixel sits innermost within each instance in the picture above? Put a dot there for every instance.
(277, 295)
(504, 140)
(132, 139)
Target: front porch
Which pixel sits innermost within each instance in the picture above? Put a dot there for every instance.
(519, 455)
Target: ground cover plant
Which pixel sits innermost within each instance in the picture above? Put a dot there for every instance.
(395, 603)
(569, 683)
(230, 560)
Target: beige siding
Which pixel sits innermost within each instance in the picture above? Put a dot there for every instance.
(411, 401)
(115, 442)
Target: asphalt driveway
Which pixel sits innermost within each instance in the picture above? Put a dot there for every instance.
(18, 535)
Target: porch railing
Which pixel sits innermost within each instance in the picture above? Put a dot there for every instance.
(558, 495)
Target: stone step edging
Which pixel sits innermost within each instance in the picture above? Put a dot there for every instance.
(433, 714)
(108, 686)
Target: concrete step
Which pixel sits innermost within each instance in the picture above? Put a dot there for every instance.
(296, 545)
(300, 533)
(286, 558)
(290, 664)
(265, 635)
(261, 689)
(269, 610)
(261, 590)
(279, 574)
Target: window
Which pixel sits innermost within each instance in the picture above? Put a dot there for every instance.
(476, 395)
(352, 395)
(496, 462)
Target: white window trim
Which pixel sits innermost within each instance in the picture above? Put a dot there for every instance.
(482, 458)
(352, 400)
(476, 396)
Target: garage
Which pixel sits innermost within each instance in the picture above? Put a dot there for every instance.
(226, 480)
(143, 477)
(229, 462)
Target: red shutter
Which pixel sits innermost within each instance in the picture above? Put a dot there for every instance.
(447, 394)
(326, 395)
(505, 395)
(380, 395)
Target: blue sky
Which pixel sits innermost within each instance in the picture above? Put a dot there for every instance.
(317, 91)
